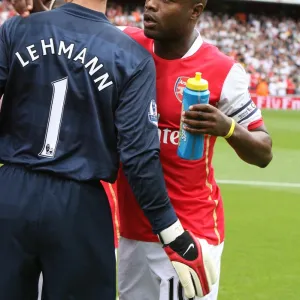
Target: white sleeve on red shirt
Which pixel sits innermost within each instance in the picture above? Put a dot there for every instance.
(235, 100)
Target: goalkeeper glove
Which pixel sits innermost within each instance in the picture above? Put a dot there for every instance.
(191, 260)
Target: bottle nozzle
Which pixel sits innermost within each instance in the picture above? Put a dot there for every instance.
(198, 76)
(197, 83)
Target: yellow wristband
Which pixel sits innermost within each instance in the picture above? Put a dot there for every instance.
(231, 130)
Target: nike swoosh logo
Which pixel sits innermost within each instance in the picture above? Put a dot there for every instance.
(190, 246)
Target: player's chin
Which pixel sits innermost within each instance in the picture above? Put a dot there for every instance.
(151, 33)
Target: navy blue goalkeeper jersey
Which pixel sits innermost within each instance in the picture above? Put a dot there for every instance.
(79, 97)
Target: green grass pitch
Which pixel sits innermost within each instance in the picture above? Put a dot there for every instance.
(261, 259)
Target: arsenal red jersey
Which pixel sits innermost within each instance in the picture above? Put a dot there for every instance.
(191, 184)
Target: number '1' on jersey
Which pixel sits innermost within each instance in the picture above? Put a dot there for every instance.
(70, 81)
(79, 98)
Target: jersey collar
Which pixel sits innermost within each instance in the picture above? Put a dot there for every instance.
(195, 47)
(83, 12)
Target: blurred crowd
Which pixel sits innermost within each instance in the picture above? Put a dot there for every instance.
(6, 11)
(125, 17)
(269, 48)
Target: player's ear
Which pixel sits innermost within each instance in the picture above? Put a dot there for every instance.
(198, 8)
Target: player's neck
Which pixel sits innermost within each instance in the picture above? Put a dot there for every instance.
(175, 49)
(99, 6)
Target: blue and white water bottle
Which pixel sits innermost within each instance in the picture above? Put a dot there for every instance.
(191, 146)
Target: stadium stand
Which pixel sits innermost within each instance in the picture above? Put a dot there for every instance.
(268, 47)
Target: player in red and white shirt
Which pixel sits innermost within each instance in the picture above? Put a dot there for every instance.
(179, 51)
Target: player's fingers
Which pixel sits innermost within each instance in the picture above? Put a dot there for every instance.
(185, 279)
(202, 107)
(209, 264)
(211, 272)
(199, 290)
(196, 124)
(197, 115)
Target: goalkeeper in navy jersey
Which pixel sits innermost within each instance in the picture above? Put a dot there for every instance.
(79, 97)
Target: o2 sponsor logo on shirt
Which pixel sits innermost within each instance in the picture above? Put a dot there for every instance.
(180, 84)
(168, 136)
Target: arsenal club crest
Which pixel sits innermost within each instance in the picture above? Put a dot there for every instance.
(179, 86)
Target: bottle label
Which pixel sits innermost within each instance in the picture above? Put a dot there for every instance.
(182, 132)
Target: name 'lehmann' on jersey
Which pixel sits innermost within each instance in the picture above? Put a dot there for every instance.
(68, 51)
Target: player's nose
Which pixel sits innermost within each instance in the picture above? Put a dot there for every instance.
(151, 5)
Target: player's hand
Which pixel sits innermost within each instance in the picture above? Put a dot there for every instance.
(193, 264)
(26, 7)
(206, 119)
